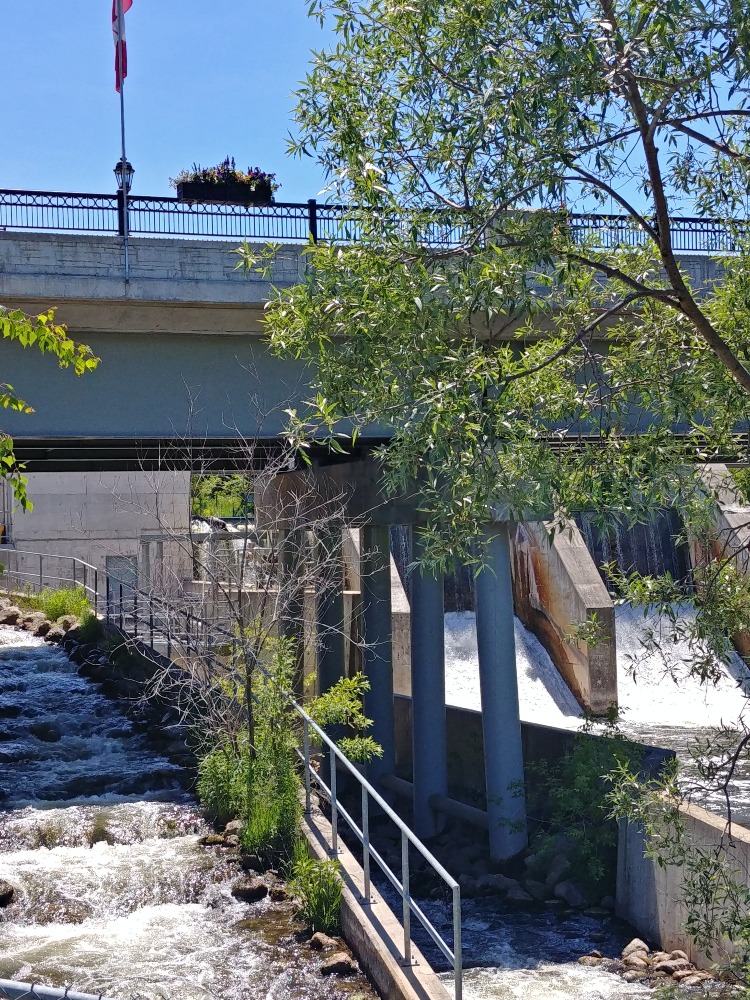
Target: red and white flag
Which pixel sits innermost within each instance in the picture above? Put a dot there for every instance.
(121, 50)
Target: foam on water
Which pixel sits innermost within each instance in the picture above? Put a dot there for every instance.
(647, 693)
(655, 687)
(543, 695)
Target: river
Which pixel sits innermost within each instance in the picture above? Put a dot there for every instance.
(98, 836)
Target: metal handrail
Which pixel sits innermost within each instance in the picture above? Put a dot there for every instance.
(81, 574)
(402, 885)
(12, 990)
(298, 222)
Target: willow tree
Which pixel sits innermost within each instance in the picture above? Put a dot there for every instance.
(526, 360)
(48, 337)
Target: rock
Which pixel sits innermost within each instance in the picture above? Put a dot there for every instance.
(7, 892)
(518, 895)
(67, 622)
(693, 980)
(212, 840)
(32, 619)
(46, 732)
(339, 964)
(42, 628)
(249, 890)
(608, 902)
(9, 616)
(55, 634)
(681, 974)
(537, 890)
(278, 894)
(632, 975)
(497, 883)
(231, 840)
(636, 960)
(233, 826)
(672, 965)
(572, 893)
(635, 945)
(559, 867)
(678, 954)
(595, 954)
(5, 602)
(589, 960)
(323, 942)
(252, 863)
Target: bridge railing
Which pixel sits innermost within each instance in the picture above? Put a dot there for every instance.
(297, 222)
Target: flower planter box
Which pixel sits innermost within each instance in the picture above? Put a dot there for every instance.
(228, 194)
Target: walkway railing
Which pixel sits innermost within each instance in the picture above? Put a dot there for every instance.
(297, 222)
(149, 617)
(11, 990)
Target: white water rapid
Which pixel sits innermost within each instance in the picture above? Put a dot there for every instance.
(98, 838)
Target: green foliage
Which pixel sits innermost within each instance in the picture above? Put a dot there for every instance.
(221, 496)
(317, 885)
(571, 799)
(224, 779)
(47, 337)
(341, 705)
(63, 601)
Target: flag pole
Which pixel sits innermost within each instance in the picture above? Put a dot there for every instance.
(121, 77)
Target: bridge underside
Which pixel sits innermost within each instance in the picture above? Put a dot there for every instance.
(229, 454)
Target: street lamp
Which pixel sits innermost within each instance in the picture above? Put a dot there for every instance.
(124, 174)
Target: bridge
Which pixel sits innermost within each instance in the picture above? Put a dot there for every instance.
(185, 375)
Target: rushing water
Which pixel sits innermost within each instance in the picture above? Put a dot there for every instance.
(661, 702)
(113, 893)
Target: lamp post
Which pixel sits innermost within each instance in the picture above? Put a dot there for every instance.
(124, 174)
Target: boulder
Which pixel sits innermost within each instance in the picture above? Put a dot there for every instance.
(279, 894)
(678, 954)
(55, 634)
(31, 619)
(634, 946)
(518, 895)
(608, 902)
(252, 863)
(537, 890)
(497, 883)
(5, 602)
(633, 975)
(46, 732)
(672, 965)
(339, 964)
(589, 960)
(67, 622)
(9, 616)
(323, 942)
(557, 870)
(249, 890)
(7, 892)
(233, 826)
(636, 960)
(572, 893)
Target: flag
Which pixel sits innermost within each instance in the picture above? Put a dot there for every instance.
(121, 51)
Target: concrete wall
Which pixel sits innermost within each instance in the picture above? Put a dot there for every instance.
(557, 586)
(731, 532)
(95, 515)
(652, 899)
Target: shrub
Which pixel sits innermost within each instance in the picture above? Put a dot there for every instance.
(224, 779)
(317, 886)
(65, 601)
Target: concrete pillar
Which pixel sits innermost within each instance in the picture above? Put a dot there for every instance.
(503, 758)
(377, 655)
(329, 612)
(428, 695)
(291, 583)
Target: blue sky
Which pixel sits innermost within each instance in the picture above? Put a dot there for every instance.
(205, 80)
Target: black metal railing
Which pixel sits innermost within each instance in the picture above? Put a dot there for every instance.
(297, 222)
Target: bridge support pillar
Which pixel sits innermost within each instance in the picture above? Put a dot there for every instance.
(291, 584)
(377, 656)
(329, 612)
(428, 695)
(503, 757)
